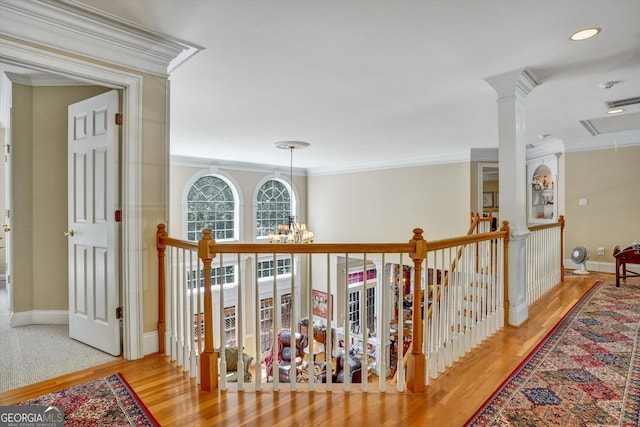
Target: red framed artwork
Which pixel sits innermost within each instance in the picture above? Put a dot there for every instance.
(320, 303)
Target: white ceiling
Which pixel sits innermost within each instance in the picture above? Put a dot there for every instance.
(380, 83)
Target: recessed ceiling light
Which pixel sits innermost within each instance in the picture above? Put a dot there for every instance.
(587, 33)
(615, 111)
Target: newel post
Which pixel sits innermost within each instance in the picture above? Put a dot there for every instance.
(416, 365)
(505, 274)
(209, 357)
(161, 235)
(561, 221)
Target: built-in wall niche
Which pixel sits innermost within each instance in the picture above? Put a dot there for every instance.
(543, 189)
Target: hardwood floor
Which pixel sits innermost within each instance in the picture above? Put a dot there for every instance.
(449, 400)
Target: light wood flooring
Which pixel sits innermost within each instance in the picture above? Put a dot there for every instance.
(450, 400)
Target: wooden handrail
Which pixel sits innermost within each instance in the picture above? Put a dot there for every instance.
(417, 248)
(311, 248)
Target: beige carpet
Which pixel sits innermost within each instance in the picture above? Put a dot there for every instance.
(30, 354)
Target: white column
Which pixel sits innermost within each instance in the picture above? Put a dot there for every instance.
(512, 88)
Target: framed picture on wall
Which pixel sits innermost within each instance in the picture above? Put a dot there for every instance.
(320, 303)
(487, 199)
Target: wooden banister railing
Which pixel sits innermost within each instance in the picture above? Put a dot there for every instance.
(207, 249)
(461, 304)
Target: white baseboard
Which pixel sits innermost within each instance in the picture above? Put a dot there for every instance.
(600, 267)
(39, 317)
(150, 343)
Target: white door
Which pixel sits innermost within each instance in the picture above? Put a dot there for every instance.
(93, 236)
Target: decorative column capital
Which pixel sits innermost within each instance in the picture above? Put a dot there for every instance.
(517, 83)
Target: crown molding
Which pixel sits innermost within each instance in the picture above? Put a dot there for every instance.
(73, 27)
(200, 162)
(415, 161)
(228, 165)
(602, 141)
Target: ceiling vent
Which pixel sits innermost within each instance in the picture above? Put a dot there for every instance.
(622, 102)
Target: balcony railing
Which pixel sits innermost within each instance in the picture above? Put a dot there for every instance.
(407, 310)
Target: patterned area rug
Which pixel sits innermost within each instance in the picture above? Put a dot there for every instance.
(586, 372)
(108, 401)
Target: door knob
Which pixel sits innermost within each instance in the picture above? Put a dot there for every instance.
(5, 228)
(69, 233)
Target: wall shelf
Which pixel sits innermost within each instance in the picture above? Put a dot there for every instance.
(543, 189)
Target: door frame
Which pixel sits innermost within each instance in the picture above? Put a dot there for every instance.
(481, 168)
(130, 169)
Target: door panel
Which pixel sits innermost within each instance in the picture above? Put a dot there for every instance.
(93, 235)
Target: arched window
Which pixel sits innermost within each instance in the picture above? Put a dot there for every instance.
(273, 207)
(210, 204)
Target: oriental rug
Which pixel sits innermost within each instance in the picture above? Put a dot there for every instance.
(585, 372)
(108, 401)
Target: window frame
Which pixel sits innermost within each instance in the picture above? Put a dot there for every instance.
(238, 216)
(293, 195)
(362, 288)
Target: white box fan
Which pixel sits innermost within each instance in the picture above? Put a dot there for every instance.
(580, 255)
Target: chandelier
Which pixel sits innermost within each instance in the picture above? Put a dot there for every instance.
(292, 231)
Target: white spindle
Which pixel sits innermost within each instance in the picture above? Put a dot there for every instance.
(364, 362)
(277, 314)
(400, 359)
(239, 329)
(347, 327)
(292, 325)
(222, 342)
(383, 326)
(328, 342)
(257, 326)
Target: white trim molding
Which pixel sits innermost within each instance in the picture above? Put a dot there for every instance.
(131, 255)
(39, 317)
(73, 27)
(150, 343)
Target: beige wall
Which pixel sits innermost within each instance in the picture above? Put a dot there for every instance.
(609, 179)
(22, 202)
(385, 205)
(39, 216)
(154, 189)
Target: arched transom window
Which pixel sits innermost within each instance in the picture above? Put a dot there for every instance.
(210, 204)
(273, 207)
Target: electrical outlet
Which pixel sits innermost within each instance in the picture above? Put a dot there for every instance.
(600, 251)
